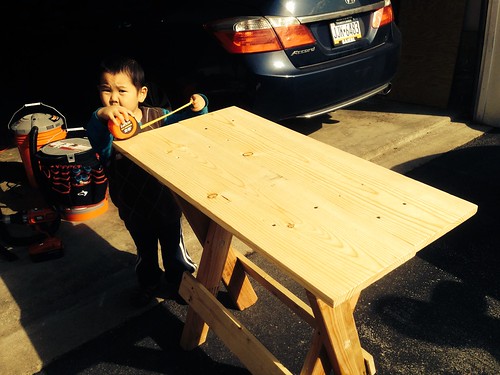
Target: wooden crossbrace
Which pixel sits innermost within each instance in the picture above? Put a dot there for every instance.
(252, 353)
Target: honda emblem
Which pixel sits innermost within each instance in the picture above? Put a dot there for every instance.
(349, 2)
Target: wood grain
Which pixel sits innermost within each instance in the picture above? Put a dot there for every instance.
(335, 222)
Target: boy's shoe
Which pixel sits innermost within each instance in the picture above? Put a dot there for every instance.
(178, 299)
(173, 275)
(142, 296)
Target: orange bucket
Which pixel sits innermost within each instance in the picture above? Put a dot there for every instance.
(85, 212)
(51, 126)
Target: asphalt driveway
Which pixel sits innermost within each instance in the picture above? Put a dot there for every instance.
(437, 314)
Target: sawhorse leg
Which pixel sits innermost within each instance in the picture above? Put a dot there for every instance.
(218, 262)
(336, 342)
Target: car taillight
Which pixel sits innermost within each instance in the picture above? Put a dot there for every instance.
(261, 34)
(382, 17)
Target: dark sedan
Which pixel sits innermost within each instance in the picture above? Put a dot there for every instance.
(282, 59)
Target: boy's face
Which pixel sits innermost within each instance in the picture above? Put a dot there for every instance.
(117, 89)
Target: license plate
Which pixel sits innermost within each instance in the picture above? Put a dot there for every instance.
(345, 31)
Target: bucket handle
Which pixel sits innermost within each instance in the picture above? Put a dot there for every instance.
(32, 137)
(35, 166)
(38, 104)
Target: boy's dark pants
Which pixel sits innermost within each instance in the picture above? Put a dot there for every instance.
(175, 258)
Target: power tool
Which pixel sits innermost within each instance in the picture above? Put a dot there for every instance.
(45, 221)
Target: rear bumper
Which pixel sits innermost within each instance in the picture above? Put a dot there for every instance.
(384, 88)
(312, 92)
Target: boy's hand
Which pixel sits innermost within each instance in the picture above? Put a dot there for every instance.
(197, 102)
(114, 113)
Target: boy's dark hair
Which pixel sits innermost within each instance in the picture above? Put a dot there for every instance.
(127, 65)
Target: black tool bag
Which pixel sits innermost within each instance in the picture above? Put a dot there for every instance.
(70, 173)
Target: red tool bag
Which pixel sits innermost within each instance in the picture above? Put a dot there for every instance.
(73, 173)
(72, 177)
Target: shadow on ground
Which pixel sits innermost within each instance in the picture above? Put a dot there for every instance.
(37, 294)
(440, 312)
(151, 344)
(471, 251)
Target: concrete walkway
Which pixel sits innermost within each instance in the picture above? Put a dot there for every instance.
(52, 307)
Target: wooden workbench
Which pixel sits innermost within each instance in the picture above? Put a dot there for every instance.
(333, 222)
